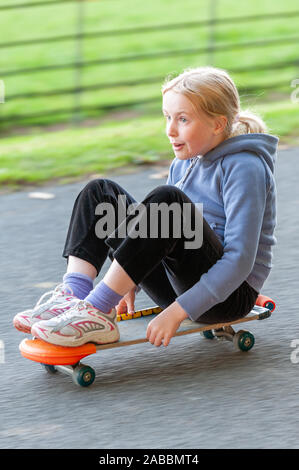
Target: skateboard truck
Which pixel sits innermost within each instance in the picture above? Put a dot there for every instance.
(243, 340)
(81, 374)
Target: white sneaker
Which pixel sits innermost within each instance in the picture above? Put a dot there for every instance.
(81, 324)
(61, 300)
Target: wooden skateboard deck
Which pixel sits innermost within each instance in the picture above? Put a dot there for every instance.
(67, 359)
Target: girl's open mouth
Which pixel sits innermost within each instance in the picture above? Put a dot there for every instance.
(177, 146)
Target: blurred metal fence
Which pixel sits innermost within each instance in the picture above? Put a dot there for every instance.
(80, 63)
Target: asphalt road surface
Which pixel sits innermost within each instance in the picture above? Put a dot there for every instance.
(195, 393)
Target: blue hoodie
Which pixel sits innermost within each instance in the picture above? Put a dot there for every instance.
(235, 183)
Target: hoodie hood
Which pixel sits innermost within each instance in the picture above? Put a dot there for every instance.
(263, 145)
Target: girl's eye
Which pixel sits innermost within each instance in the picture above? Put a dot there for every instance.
(182, 119)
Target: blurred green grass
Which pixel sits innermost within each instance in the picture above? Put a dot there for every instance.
(76, 153)
(114, 142)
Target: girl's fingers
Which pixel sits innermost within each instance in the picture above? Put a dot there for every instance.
(126, 304)
(155, 337)
(166, 340)
(130, 301)
(149, 330)
(158, 340)
(121, 307)
(131, 306)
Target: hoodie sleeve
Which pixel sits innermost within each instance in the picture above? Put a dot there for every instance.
(244, 192)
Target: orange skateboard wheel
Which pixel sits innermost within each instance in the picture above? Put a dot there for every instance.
(265, 301)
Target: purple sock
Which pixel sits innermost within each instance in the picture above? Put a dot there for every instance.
(103, 298)
(81, 284)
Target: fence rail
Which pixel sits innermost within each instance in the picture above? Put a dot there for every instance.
(46, 3)
(80, 63)
(127, 104)
(147, 81)
(158, 55)
(149, 29)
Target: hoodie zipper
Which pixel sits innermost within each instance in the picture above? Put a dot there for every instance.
(188, 171)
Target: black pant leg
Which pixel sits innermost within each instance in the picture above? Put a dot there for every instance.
(158, 287)
(82, 240)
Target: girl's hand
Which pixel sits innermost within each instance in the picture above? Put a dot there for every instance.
(127, 303)
(163, 327)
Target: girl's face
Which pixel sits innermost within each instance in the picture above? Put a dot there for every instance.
(190, 132)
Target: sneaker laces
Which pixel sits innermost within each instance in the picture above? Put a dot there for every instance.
(76, 308)
(53, 293)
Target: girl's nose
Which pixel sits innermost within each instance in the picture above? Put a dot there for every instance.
(171, 129)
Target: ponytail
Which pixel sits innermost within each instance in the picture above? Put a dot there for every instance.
(247, 122)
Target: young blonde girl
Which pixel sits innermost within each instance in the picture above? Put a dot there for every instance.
(224, 159)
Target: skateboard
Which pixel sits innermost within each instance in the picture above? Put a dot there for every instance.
(68, 359)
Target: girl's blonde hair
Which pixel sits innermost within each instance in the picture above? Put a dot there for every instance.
(213, 91)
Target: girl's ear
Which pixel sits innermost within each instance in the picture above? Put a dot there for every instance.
(220, 124)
